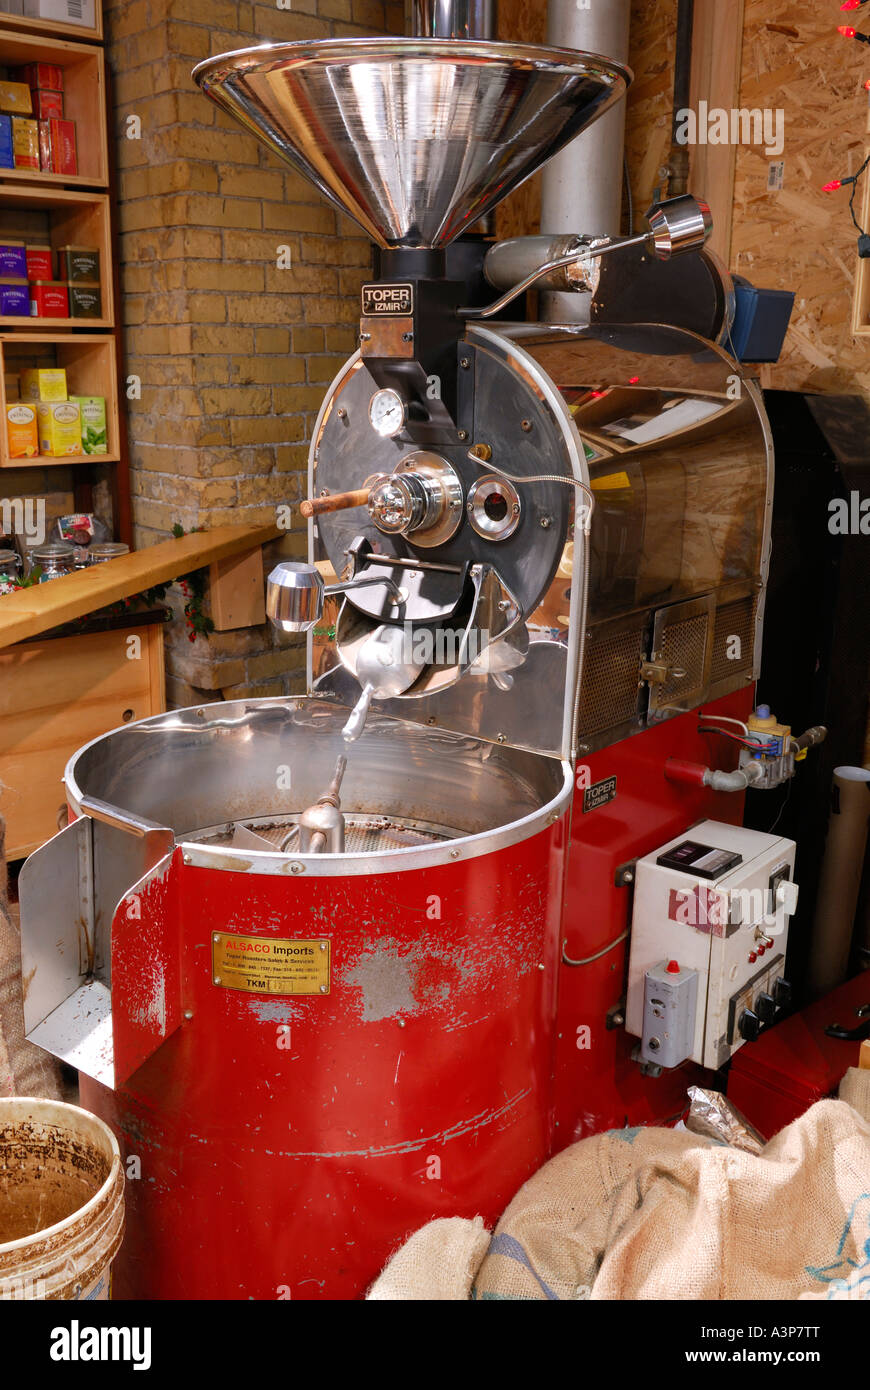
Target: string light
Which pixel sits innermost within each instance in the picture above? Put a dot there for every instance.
(851, 180)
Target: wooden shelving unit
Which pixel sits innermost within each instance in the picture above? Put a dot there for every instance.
(84, 100)
(69, 210)
(91, 370)
(32, 25)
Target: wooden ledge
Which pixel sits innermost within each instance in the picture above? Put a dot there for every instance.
(32, 611)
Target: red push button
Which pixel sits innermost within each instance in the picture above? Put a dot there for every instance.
(673, 967)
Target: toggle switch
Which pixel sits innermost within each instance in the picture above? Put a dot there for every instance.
(750, 1025)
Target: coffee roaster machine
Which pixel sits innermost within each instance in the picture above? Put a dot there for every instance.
(336, 965)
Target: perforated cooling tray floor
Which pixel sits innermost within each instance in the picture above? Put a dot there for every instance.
(363, 834)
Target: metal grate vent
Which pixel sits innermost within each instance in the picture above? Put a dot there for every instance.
(733, 620)
(683, 646)
(364, 834)
(611, 673)
(682, 643)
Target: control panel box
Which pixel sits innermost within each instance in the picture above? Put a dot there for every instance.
(716, 902)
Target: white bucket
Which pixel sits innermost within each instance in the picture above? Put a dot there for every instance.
(61, 1201)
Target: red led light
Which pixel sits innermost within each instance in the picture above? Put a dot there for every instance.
(832, 186)
(846, 30)
(633, 380)
(850, 4)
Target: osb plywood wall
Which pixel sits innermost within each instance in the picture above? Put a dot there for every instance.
(797, 237)
(800, 238)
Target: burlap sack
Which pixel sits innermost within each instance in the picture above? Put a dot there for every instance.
(658, 1213)
(25, 1070)
(438, 1263)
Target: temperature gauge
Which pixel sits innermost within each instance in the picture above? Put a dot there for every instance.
(387, 413)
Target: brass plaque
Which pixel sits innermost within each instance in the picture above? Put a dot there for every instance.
(270, 965)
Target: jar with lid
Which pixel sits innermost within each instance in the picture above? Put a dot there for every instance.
(10, 571)
(53, 560)
(101, 551)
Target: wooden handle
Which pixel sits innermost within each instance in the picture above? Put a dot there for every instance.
(338, 502)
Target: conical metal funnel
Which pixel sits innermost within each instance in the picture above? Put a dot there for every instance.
(416, 139)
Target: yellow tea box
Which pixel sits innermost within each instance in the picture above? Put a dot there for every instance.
(22, 437)
(43, 384)
(60, 428)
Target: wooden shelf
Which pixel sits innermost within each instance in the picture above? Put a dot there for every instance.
(19, 321)
(45, 606)
(61, 217)
(49, 461)
(84, 101)
(31, 25)
(91, 368)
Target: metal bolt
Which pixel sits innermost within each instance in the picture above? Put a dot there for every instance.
(324, 492)
(515, 509)
(365, 337)
(342, 413)
(503, 605)
(401, 1022)
(200, 714)
(431, 719)
(297, 868)
(628, 876)
(454, 854)
(216, 936)
(525, 426)
(481, 451)
(217, 979)
(540, 967)
(188, 1013)
(501, 738)
(469, 506)
(323, 989)
(546, 522)
(323, 945)
(617, 1020)
(463, 434)
(464, 363)
(187, 859)
(407, 337)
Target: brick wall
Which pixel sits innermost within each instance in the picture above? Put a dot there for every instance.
(233, 353)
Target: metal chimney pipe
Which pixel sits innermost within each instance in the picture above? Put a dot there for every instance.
(582, 187)
(453, 19)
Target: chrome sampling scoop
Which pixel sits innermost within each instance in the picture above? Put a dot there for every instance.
(383, 669)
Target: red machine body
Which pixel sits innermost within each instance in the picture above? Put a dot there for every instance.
(598, 1086)
(432, 1054)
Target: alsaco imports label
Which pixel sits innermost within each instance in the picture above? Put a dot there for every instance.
(270, 965)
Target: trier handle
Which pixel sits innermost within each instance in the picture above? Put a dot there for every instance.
(338, 502)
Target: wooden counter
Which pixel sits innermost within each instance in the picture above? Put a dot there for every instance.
(60, 691)
(29, 612)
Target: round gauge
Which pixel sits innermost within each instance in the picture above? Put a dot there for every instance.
(387, 413)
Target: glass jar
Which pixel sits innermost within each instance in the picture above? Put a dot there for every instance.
(101, 551)
(10, 571)
(53, 559)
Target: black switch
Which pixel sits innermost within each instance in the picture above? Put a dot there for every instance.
(782, 993)
(765, 1007)
(750, 1025)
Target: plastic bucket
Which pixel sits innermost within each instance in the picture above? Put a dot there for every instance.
(61, 1201)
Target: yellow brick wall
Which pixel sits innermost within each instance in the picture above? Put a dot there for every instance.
(233, 353)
